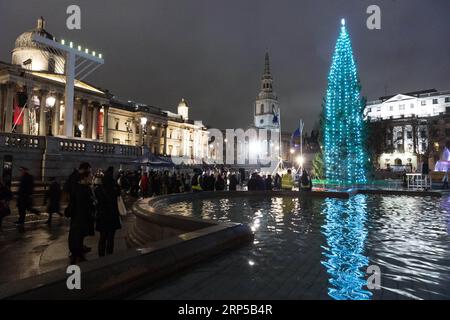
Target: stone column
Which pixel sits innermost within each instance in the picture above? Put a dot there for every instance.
(133, 136)
(95, 111)
(105, 124)
(42, 119)
(183, 149)
(140, 135)
(56, 115)
(10, 93)
(1, 106)
(84, 104)
(165, 139)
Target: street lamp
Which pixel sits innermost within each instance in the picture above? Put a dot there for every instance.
(300, 161)
(49, 104)
(81, 127)
(144, 121)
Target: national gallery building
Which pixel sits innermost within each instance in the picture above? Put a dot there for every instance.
(34, 126)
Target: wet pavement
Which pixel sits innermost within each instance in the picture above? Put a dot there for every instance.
(40, 248)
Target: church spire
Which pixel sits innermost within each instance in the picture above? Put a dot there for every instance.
(267, 65)
(267, 108)
(267, 80)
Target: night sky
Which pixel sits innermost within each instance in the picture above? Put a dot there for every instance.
(211, 52)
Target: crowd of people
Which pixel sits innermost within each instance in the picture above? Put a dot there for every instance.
(93, 199)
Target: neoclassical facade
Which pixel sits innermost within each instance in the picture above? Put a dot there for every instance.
(32, 91)
(413, 127)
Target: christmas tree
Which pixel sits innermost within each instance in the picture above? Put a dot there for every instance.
(344, 154)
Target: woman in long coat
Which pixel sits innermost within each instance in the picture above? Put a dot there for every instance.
(108, 217)
(82, 212)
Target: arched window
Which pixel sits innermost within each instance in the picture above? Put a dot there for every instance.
(261, 110)
(273, 108)
(398, 162)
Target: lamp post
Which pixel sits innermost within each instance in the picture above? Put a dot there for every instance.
(81, 128)
(143, 124)
(302, 125)
(49, 104)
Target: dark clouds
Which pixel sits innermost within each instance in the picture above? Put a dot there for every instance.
(211, 52)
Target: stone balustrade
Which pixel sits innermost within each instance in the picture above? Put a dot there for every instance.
(58, 156)
(20, 141)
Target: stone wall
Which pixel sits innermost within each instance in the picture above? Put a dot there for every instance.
(57, 157)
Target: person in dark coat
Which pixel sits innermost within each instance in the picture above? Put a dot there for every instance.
(277, 182)
(24, 196)
(210, 182)
(252, 184)
(305, 182)
(220, 183)
(5, 197)
(269, 182)
(233, 182)
(53, 197)
(82, 213)
(108, 217)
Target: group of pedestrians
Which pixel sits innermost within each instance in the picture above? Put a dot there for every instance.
(153, 183)
(93, 206)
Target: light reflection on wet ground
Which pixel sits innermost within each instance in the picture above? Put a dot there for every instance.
(321, 248)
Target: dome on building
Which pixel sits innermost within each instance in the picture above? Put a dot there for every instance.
(31, 56)
(182, 103)
(25, 40)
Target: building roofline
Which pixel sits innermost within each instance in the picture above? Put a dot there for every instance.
(417, 94)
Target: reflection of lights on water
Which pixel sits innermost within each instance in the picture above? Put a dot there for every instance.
(256, 224)
(346, 233)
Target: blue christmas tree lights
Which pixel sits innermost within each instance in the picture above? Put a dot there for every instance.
(344, 152)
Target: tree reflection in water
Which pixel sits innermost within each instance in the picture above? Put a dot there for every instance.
(343, 256)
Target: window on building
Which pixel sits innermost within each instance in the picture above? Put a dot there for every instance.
(411, 106)
(447, 110)
(261, 121)
(261, 110)
(117, 124)
(447, 100)
(378, 109)
(424, 146)
(423, 103)
(369, 109)
(391, 108)
(409, 134)
(402, 107)
(435, 101)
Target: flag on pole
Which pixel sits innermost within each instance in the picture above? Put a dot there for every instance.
(18, 113)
